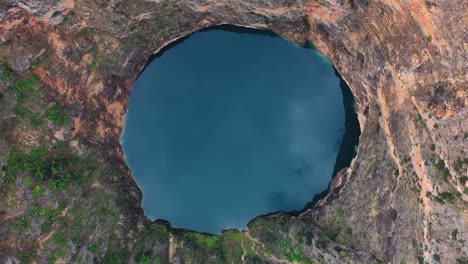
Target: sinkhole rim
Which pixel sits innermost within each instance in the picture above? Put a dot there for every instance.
(350, 138)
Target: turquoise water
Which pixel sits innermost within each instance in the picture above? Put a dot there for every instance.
(227, 126)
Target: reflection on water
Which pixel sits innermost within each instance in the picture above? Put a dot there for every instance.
(227, 126)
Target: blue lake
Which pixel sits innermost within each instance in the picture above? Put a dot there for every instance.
(227, 126)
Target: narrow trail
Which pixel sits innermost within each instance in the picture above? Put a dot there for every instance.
(172, 248)
(245, 252)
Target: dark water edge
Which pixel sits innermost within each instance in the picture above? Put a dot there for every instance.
(223, 27)
(348, 145)
(349, 142)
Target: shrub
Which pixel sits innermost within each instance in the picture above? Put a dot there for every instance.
(7, 74)
(463, 180)
(205, 242)
(58, 115)
(458, 164)
(450, 197)
(24, 87)
(94, 246)
(440, 167)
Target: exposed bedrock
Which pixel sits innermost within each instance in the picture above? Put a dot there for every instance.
(404, 197)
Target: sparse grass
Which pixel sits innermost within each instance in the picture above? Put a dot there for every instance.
(339, 212)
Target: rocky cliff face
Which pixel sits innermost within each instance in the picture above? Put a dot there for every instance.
(67, 67)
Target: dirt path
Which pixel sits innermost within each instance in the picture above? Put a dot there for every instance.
(172, 248)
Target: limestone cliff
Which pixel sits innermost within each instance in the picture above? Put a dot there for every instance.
(67, 67)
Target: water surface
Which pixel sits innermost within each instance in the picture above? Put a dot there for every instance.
(226, 126)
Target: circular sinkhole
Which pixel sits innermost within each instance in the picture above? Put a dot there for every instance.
(226, 126)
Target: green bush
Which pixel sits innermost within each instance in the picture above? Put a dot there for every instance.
(463, 180)
(94, 246)
(440, 167)
(113, 257)
(6, 73)
(37, 191)
(24, 87)
(58, 115)
(205, 242)
(48, 166)
(458, 164)
(450, 197)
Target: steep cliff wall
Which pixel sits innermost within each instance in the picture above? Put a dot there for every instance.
(403, 199)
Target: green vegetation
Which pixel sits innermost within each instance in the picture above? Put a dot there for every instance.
(23, 223)
(25, 87)
(462, 261)
(37, 191)
(27, 181)
(343, 253)
(454, 234)
(98, 58)
(232, 249)
(160, 229)
(205, 242)
(58, 115)
(440, 167)
(304, 238)
(450, 197)
(58, 168)
(332, 232)
(27, 256)
(292, 253)
(93, 247)
(458, 164)
(144, 259)
(420, 120)
(5, 73)
(463, 180)
(321, 243)
(29, 102)
(113, 257)
(349, 231)
(339, 212)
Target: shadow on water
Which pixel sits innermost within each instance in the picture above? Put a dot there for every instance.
(348, 145)
(224, 27)
(350, 140)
